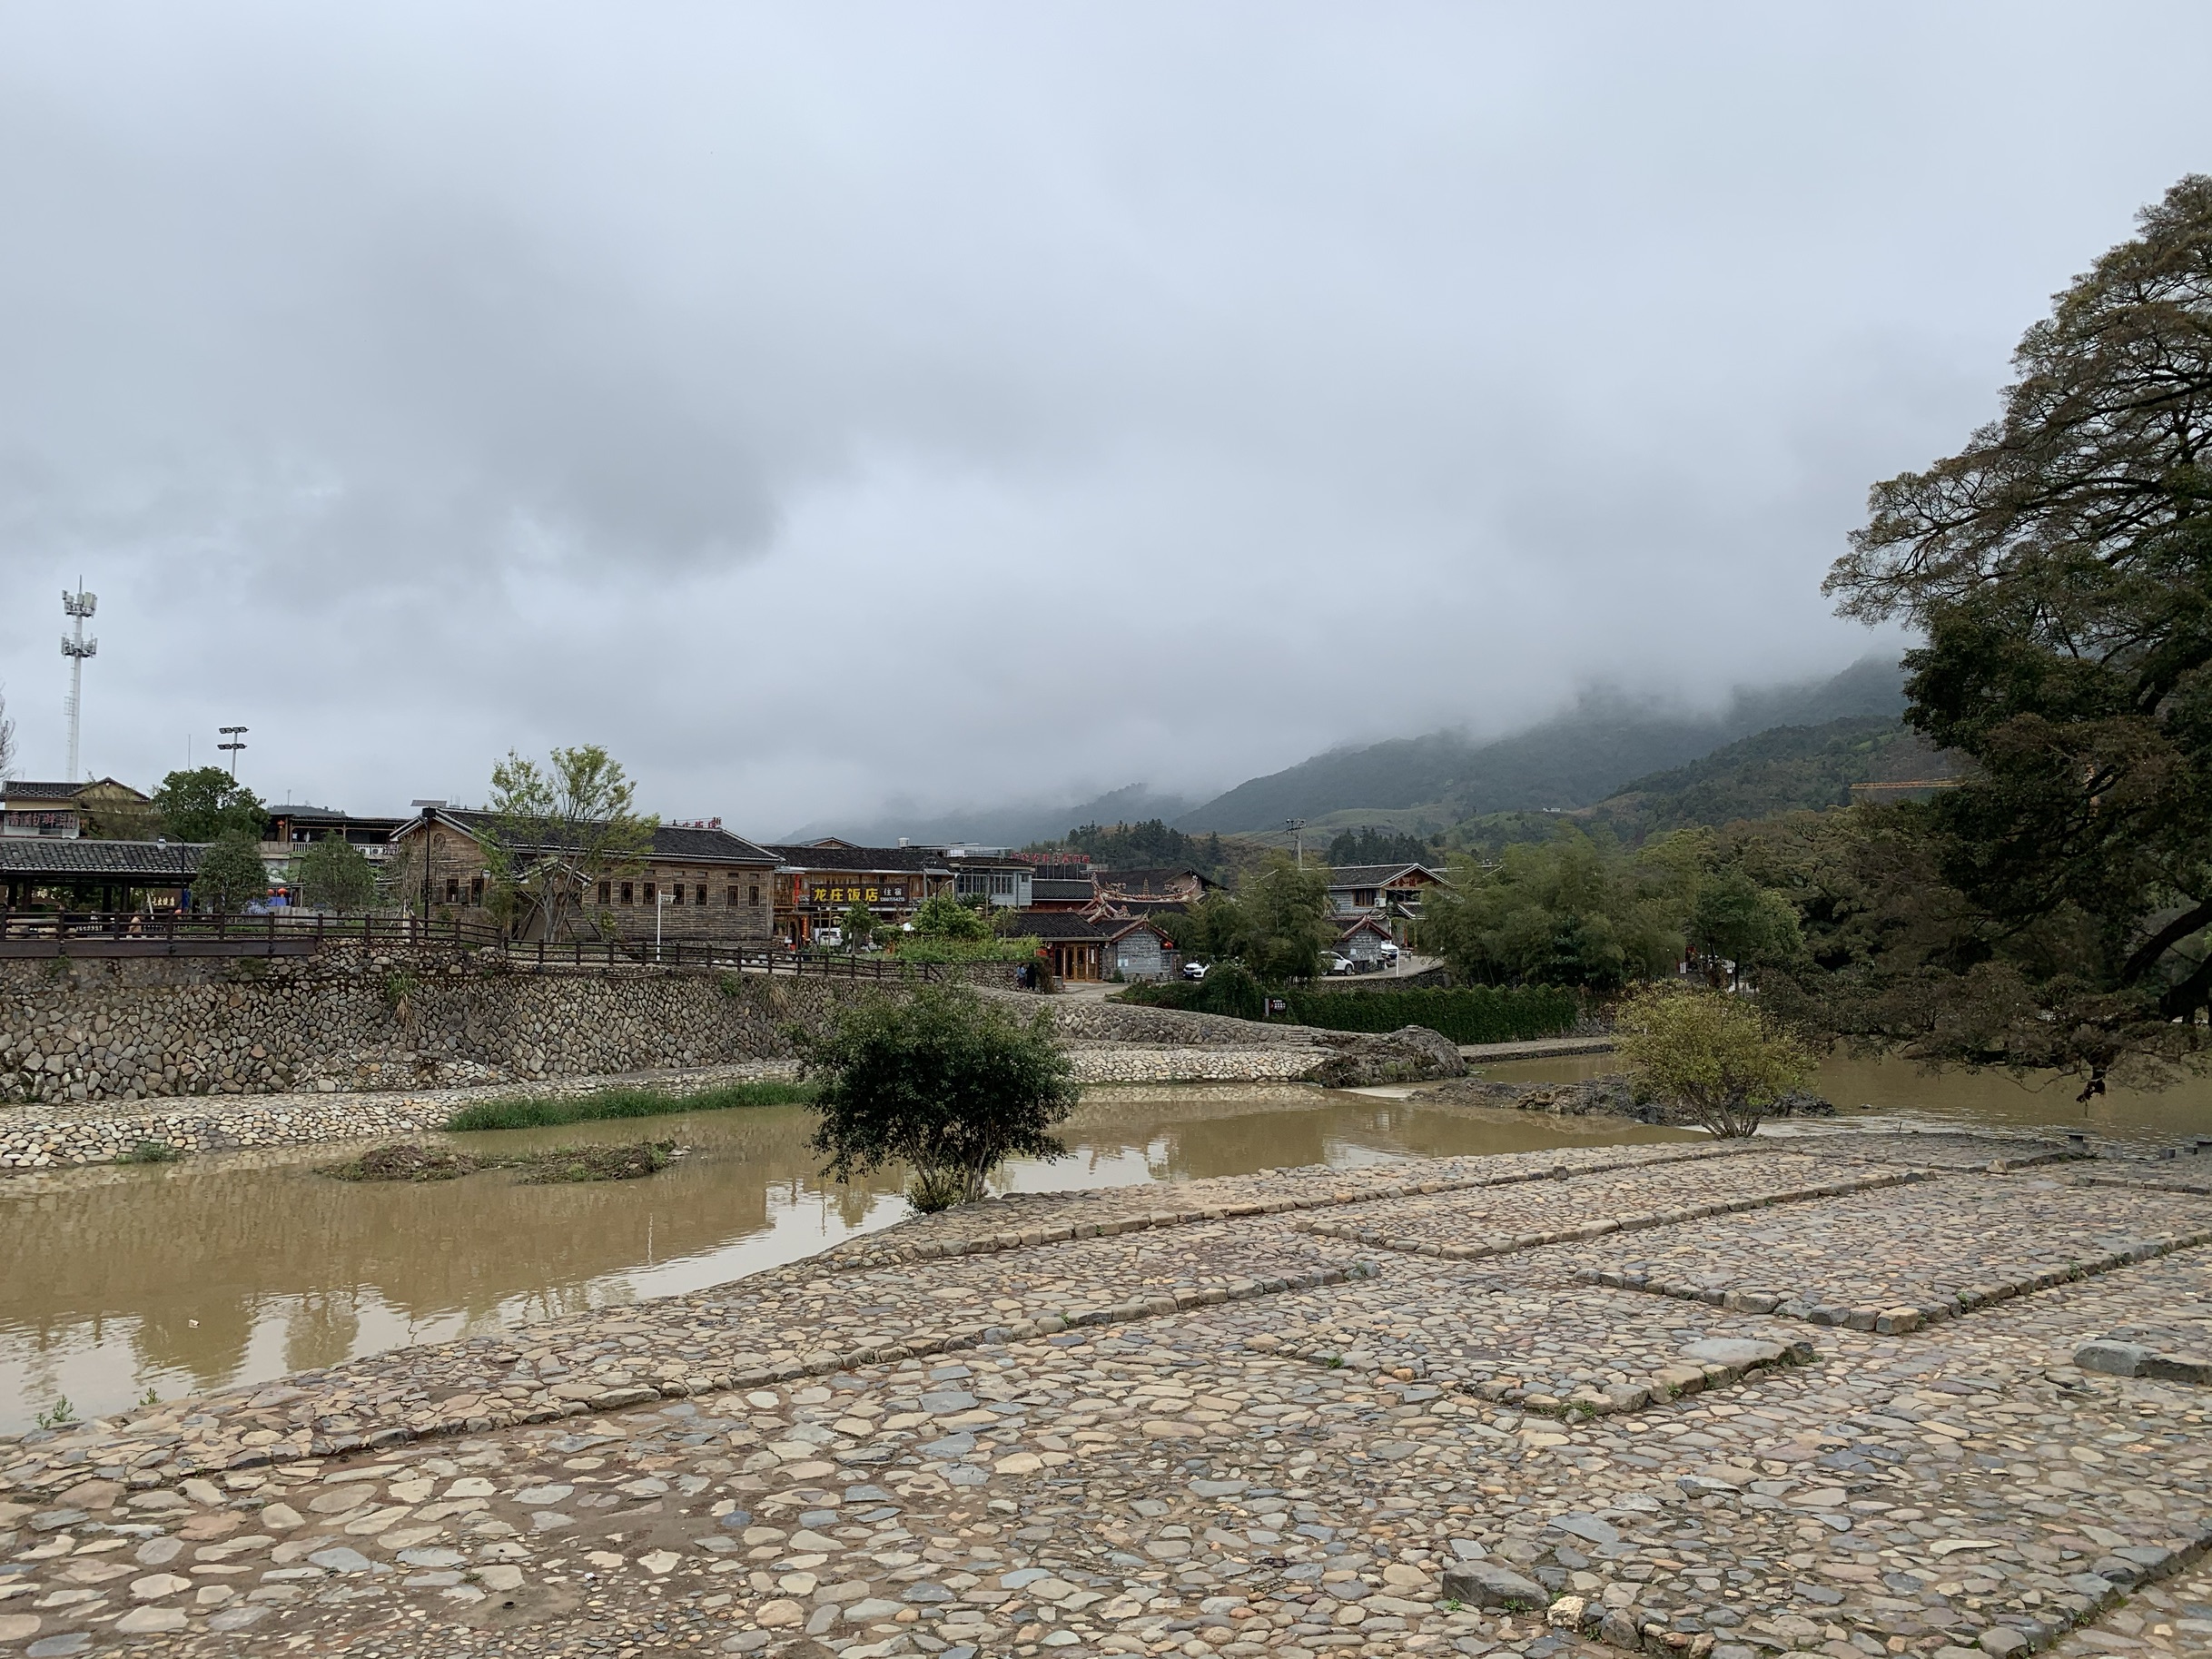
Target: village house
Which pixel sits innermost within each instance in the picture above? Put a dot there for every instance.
(695, 882)
(818, 881)
(65, 812)
(1380, 890)
(1362, 944)
(1073, 945)
(1163, 884)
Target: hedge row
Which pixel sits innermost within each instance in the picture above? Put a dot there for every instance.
(1471, 1013)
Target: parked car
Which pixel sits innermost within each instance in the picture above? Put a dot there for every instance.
(1389, 952)
(829, 938)
(1194, 970)
(1333, 963)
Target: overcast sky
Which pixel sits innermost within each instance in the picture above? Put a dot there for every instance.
(822, 405)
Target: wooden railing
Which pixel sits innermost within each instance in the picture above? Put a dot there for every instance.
(45, 932)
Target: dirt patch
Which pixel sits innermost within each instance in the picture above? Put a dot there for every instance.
(405, 1161)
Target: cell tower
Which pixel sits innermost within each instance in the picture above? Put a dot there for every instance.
(76, 648)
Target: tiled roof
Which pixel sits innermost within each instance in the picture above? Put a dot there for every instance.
(1115, 929)
(908, 861)
(155, 861)
(1155, 878)
(1042, 891)
(1376, 875)
(1056, 925)
(26, 789)
(702, 847)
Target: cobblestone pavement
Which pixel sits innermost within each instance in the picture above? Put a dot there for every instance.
(1183, 1474)
(1894, 1261)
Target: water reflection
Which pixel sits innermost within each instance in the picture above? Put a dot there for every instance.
(234, 1269)
(1892, 1091)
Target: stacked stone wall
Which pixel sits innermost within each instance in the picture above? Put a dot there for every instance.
(353, 1020)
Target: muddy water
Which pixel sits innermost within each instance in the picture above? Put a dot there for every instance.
(232, 1269)
(1877, 1092)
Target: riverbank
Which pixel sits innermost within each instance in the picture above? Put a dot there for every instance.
(1220, 1424)
(36, 1136)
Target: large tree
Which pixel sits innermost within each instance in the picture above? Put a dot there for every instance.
(2059, 569)
(205, 803)
(558, 831)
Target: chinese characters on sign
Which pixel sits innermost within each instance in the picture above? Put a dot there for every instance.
(888, 893)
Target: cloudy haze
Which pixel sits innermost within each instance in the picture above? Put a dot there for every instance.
(833, 404)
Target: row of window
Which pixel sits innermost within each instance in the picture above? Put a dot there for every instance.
(627, 892)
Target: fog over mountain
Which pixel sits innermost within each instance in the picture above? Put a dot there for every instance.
(854, 413)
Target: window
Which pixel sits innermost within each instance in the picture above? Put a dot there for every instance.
(754, 900)
(476, 891)
(452, 889)
(698, 894)
(648, 893)
(605, 889)
(625, 893)
(676, 894)
(733, 898)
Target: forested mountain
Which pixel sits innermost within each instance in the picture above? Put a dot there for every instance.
(1574, 759)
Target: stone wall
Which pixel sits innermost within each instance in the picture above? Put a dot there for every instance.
(351, 1020)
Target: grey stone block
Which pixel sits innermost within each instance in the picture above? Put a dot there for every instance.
(1489, 1584)
(2112, 1357)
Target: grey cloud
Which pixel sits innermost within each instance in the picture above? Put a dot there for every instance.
(849, 404)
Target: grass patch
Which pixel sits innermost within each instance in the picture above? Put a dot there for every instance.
(152, 1152)
(542, 1111)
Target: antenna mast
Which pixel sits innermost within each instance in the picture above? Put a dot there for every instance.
(77, 606)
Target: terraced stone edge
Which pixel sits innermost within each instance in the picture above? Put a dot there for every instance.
(859, 1256)
(1903, 1317)
(1640, 1223)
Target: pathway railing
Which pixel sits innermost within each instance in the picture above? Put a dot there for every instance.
(280, 932)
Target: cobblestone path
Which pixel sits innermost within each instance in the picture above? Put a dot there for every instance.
(1193, 1431)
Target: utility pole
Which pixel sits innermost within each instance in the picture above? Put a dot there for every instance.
(77, 606)
(234, 732)
(1296, 826)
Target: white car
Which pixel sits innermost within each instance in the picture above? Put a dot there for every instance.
(1194, 970)
(1334, 964)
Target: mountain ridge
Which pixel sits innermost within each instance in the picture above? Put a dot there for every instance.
(1574, 759)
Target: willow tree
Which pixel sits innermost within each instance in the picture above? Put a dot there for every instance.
(2058, 568)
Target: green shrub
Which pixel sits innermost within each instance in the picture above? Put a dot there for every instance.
(151, 1151)
(538, 1111)
(944, 1082)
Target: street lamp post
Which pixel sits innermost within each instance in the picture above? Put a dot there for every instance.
(234, 734)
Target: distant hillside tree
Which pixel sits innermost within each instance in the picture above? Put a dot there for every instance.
(1370, 845)
(1147, 845)
(1574, 911)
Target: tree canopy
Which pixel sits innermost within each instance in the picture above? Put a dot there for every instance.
(335, 874)
(557, 832)
(942, 1082)
(2060, 570)
(230, 873)
(1572, 912)
(1710, 1053)
(1154, 842)
(1370, 845)
(207, 803)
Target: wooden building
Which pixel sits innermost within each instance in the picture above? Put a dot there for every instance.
(693, 883)
(102, 808)
(1394, 890)
(1075, 945)
(69, 872)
